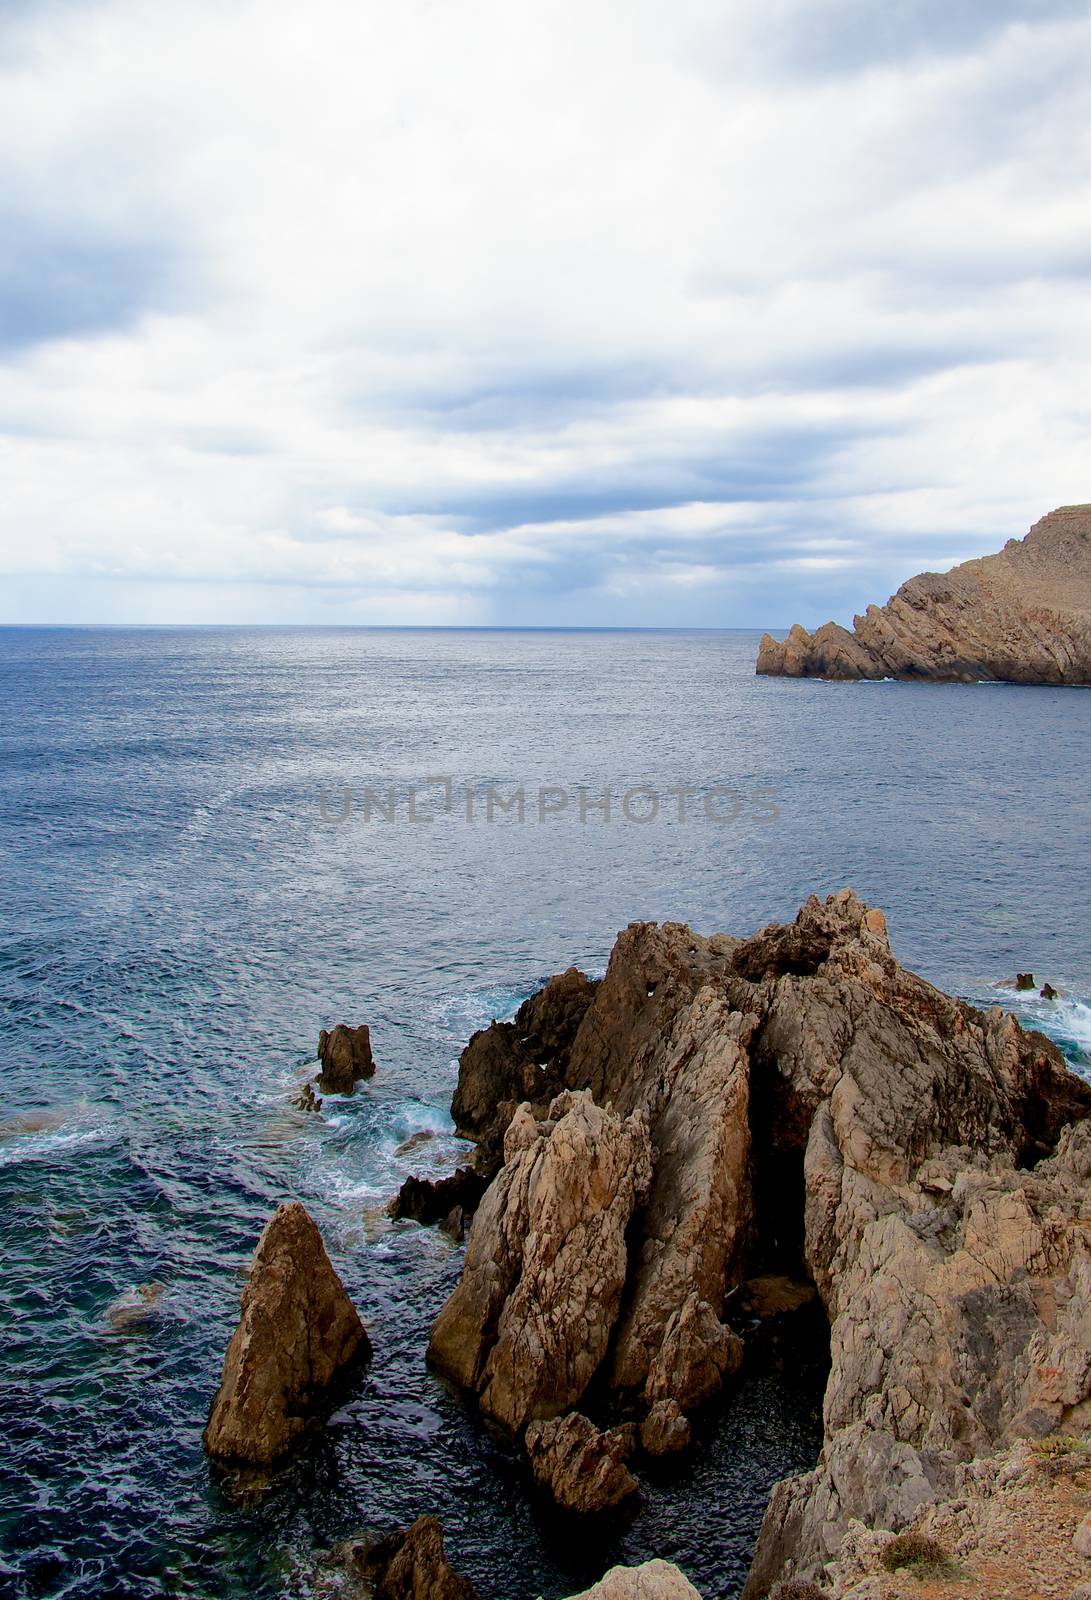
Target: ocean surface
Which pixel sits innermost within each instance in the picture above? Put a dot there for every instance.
(216, 841)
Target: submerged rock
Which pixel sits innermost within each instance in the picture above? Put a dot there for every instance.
(345, 1054)
(298, 1334)
(135, 1308)
(530, 1321)
(1020, 616)
(413, 1565)
(583, 1469)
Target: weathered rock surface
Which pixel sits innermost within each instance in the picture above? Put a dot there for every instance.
(429, 1200)
(1011, 1529)
(665, 1429)
(412, 1565)
(530, 1321)
(298, 1333)
(1020, 616)
(345, 1054)
(584, 1469)
(654, 1580)
(819, 1114)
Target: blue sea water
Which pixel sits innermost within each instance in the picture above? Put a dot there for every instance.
(185, 903)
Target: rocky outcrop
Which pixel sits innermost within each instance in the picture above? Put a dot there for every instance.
(654, 1580)
(525, 1060)
(1015, 1526)
(429, 1200)
(665, 1429)
(530, 1321)
(815, 1114)
(1020, 616)
(412, 1565)
(583, 1469)
(345, 1054)
(298, 1334)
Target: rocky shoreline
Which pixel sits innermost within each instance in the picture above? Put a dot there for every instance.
(1020, 616)
(721, 1125)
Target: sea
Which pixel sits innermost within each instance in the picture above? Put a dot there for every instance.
(216, 841)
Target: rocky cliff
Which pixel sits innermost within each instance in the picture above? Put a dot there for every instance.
(719, 1113)
(1021, 616)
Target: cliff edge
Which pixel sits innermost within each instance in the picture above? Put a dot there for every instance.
(1020, 616)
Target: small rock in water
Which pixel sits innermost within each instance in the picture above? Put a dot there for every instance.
(133, 1308)
(345, 1054)
(307, 1100)
(430, 1200)
(665, 1429)
(583, 1469)
(415, 1141)
(1048, 992)
(413, 1565)
(1024, 980)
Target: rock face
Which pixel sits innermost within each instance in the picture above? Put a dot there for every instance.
(345, 1054)
(412, 1565)
(1012, 1528)
(529, 1324)
(655, 1580)
(1021, 616)
(512, 1062)
(297, 1335)
(797, 1109)
(665, 1429)
(583, 1469)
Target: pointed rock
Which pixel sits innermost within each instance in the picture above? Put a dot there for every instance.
(298, 1333)
(583, 1469)
(345, 1054)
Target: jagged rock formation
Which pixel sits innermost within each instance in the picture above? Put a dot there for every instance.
(665, 1429)
(583, 1469)
(816, 1113)
(298, 1333)
(429, 1200)
(1020, 616)
(345, 1054)
(530, 1321)
(654, 1580)
(523, 1060)
(412, 1565)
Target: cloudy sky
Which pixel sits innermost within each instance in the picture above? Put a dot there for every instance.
(489, 311)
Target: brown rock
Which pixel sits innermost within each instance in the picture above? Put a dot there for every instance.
(306, 1099)
(530, 1321)
(1048, 992)
(665, 1429)
(345, 1054)
(583, 1469)
(1024, 980)
(412, 1565)
(1020, 616)
(297, 1335)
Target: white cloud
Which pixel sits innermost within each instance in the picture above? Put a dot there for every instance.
(487, 311)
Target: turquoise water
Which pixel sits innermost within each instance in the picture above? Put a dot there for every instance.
(179, 918)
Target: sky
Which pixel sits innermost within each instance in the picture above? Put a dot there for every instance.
(487, 312)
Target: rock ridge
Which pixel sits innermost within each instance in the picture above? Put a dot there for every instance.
(1022, 615)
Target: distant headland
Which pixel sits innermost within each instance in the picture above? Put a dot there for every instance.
(1020, 616)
